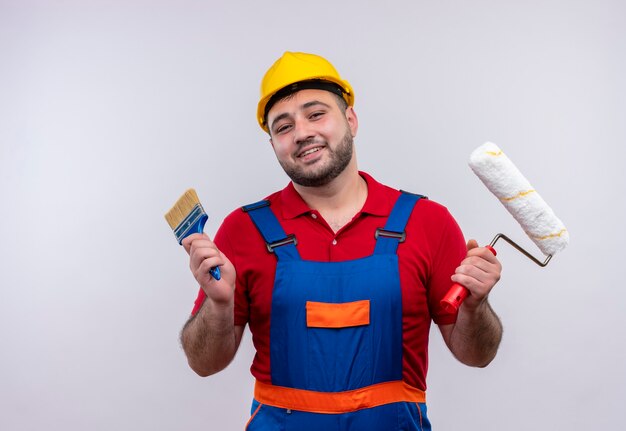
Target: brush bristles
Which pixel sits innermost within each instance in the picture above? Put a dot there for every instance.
(181, 209)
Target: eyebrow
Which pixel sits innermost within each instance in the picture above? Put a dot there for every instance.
(304, 106)
(313, 103)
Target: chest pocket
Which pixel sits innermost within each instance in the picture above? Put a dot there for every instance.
(343, 315)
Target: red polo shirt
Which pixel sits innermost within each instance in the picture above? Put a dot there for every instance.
(433, 249)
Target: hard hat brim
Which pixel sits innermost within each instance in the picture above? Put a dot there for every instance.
(346, 92)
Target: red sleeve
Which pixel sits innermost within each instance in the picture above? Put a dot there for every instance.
(199, 301)
(450, 251)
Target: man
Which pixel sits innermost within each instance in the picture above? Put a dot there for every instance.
(337, 275)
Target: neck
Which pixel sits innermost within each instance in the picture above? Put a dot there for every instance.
(338, 201)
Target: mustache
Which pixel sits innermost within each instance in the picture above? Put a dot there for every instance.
(310, 141)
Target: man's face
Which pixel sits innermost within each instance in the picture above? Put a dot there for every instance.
(312, 136)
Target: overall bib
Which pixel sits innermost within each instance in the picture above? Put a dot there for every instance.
(336, 338)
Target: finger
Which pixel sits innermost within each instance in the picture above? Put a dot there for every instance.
(204, 269)
(472, 271)
(477, 287)
(480, 263)
(483, 253)
(471, 244)
(189, 240)
(200, 244)
(476, 276)
(465, 281)
(200, 253)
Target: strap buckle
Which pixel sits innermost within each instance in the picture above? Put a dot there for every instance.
(289, 239)
(401, 236)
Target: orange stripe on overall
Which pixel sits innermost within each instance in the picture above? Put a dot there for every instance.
(343, 315)
(337, 402)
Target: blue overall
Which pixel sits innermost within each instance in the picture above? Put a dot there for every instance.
(319, 358)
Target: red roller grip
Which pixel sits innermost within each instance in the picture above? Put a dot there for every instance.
(457, 293)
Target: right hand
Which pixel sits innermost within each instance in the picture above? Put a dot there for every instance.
(204, 255)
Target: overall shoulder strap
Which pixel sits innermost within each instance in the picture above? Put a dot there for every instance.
(276, 240)
(388, 238)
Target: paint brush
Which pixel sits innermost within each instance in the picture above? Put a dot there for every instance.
(188, 217)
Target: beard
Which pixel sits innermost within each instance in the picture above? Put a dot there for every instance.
(339, 160)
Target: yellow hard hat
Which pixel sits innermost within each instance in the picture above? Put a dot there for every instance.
(295, 67)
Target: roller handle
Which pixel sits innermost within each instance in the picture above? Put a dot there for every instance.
(457, 293)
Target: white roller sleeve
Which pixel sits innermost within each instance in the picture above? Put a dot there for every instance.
(505, 181)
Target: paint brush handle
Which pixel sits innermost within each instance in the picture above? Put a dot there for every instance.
(198, 227)
(457, 293)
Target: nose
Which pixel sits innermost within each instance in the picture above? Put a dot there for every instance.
(303, 131)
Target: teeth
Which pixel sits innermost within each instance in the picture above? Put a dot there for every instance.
(311, 151)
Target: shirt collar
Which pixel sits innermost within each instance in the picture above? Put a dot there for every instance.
(292, 203)
(378, 203)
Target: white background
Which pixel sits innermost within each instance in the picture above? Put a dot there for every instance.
(110, 110)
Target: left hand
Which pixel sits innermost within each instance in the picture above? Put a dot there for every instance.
(478, 272)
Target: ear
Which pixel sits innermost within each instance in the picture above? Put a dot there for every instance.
(353, 121)
(271, 142)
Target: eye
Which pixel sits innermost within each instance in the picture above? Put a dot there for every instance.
(282, 128)
(315, 115)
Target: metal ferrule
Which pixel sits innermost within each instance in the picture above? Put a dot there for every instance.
(193, 223)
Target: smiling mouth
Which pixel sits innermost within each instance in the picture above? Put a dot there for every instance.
(310, 151)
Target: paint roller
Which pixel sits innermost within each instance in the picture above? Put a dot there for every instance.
(537, 219)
